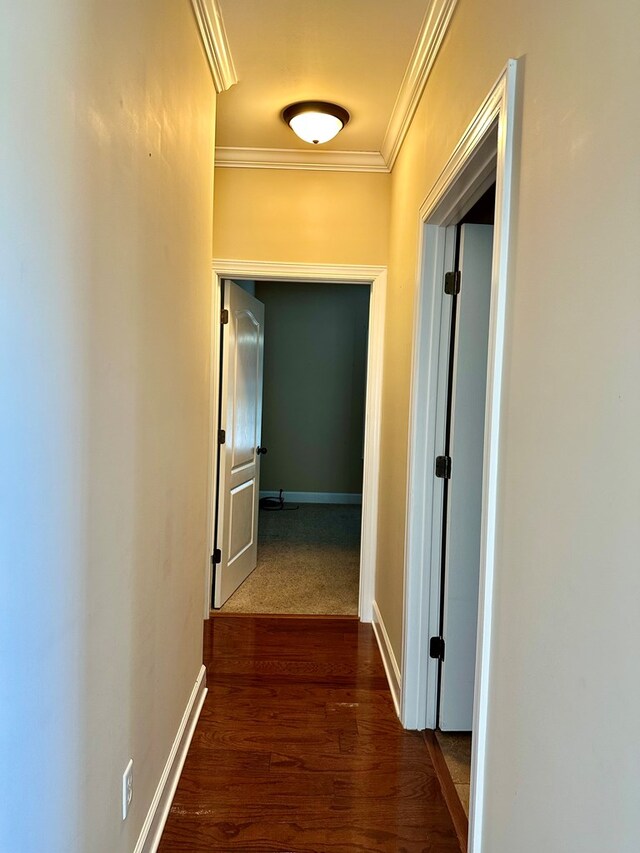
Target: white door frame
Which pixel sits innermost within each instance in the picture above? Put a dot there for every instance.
(323, 274)
(484, 154)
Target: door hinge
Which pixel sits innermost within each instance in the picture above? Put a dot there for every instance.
(443, 467)
(222, 436)
(224, 316)
(216, 557)
(452, 282)
(436, 648)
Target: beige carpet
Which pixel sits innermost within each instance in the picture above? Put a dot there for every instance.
(308, 562)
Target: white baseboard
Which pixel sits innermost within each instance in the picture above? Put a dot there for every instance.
(388, 658)
(316, 497)
(151, 833)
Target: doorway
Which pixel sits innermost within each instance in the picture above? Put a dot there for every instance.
(310, 449)
(289, 274)
(464, 342)
(483, 156)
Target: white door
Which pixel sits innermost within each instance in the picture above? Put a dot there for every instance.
(468, 396)
(239, 440)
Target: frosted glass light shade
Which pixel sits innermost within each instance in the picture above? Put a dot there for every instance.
(316, 127)
(315, 121)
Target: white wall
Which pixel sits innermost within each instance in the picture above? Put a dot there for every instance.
(105, 246)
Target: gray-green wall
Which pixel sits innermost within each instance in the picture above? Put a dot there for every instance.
(314, 386)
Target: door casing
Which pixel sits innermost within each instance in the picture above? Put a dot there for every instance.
(376, 277)
(484, 154)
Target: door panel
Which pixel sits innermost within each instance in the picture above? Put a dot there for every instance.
(241, 520)
(468, 402)
(244, 389)
(241, 419)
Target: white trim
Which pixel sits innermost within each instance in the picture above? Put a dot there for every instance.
(149, 838)
(215, 43)
(323, 273)
(506, 95)
(372, 447)
(214, 392)
(424, 500)
(431, 35)
(284, 271)
(486, 147)
(388, 658)
(311, 160)
(316, 497)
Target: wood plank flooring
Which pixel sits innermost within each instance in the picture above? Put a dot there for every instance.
(298, 749)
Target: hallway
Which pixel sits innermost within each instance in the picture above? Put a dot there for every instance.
(298, 748)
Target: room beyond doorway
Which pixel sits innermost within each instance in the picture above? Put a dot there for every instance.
(375, 280)
(312, 438)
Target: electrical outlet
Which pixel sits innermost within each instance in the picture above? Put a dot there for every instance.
(127, 789)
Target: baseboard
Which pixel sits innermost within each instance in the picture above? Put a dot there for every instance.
(316, 497)
(388, 658)
(151, 833)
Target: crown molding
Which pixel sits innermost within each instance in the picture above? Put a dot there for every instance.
(294, 158)
(215, 43)
(432, 32)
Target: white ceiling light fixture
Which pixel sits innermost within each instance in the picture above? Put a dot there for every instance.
(315, 121)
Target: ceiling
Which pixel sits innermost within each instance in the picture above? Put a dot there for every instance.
(352, 52)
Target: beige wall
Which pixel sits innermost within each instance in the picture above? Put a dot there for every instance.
(567, 612)
(315, 360)
(106, 187)
(303, 217)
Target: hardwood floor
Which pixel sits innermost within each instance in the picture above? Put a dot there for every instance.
(299, 750)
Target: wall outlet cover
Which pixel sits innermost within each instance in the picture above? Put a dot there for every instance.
(127, 788)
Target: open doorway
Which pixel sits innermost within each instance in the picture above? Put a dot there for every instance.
(304, 552)
(465, 341)
(257, 274)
